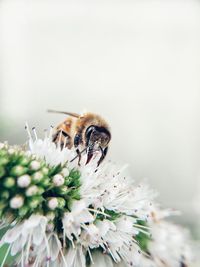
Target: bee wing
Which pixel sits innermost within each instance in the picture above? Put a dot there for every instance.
(64, 112)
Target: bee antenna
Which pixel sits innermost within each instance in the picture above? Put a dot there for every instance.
(64, 112)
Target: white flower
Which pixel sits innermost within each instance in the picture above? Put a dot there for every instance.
(73, 220)
(101, 222)
(170, 244)
(46, 149)
(112, 189)
(100, 261)
(25, 235)
(75, 257)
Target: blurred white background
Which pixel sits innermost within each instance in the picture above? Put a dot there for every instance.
(136, 63)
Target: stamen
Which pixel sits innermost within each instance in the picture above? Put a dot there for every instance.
(51, 132)
(34, 132)
(99, 212)
(28, 131)
(90, 255)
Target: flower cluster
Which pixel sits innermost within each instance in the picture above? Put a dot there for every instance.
(65, 215)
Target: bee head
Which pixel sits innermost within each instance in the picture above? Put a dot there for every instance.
(97, 139)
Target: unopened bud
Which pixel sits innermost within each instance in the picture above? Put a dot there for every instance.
(65, 172)
(16, 202)
(4, 160)
(31, 191)
(58, 180)
(24, 161)
(11, 151)
(62, 190)
(61, 202)
(2, 171)
(37, 177)
(45, 170)
(53, 203)
(5, 194)
(34, 202)
(24, 181)
(9, 182)
(50, 216)
(2, 145)
(18, 170)
(23, 211)
(35, 165)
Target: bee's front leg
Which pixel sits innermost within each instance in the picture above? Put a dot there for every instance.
(79, 156)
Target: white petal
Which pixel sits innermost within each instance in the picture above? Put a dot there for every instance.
(17, 246)
(101, 260)
(38, 235)
(85, 217)
(54, 246)
(12, 234)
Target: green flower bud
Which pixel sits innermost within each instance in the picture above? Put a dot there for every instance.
(61, 202)
(2, 171)
(34, 202)
(9, 182)
(5, 194)
(3, 153)
(65, 172)
(45, 170)
(2, 205)
(11, 151)
(68, 180)
(3, 160)
(75, 194)
(45, 182)
(23, 211)
(62, 190)
(18, 170)
(55, 202)
(50, 215)
(37, 177)
(24, 161)
(34, 190)
(40, 190)
(75, 174)
(31, 191)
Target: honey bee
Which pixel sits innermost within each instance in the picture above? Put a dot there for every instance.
(87, 133)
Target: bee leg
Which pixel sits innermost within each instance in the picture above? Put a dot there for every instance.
(89, 155)
(55, 136)
(103, 154)
(79, 156)
(77, 140)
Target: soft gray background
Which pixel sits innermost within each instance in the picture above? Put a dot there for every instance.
(135, 62)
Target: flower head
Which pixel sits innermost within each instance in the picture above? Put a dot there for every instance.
(62, 214)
